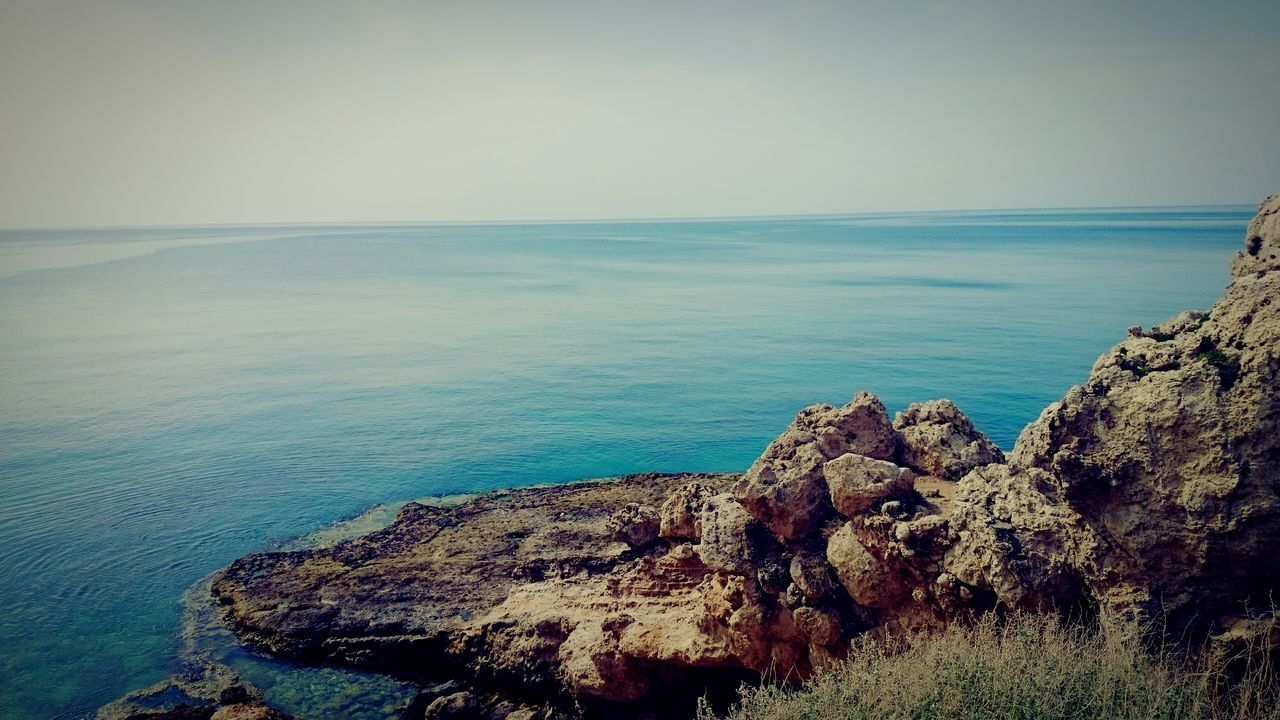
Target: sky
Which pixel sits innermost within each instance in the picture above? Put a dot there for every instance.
(160, 112)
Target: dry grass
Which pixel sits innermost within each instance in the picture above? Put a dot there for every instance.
(1024, 667)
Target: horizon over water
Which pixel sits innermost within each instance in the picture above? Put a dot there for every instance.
(993, 212)
(173, 398)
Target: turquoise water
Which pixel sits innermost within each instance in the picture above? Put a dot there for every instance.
(173, 398)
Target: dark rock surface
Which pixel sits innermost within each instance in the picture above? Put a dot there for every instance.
(205, 691)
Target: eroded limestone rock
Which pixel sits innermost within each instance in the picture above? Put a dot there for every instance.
(1171, 450)
(635, 524)
(1261, 252)
(730, 538)
(858, 483)
(681, 513)
(868, 579)
(937, 439)
(786, 489)
(812, 576)
(1016, 538)
(203, 690)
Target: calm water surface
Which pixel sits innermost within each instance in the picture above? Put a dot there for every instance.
(173, 398)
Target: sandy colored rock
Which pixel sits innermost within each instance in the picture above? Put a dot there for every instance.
(1261, 252)
(681, 513)
(786, 489)
(731, 538)
(398, 599)
(1017, 539)
(937, 439)
(1171, 450)
(857, 483)
(616, 638)
(868, 579)
(819, 626)
(635, 524)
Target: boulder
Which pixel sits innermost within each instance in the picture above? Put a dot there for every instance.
(773, 574)
(1017, 539)
(819, 626)
(457, 706)
(812, 576)
(937, 439)
(730, 540)
(858, 483)
(681, 513)
(636, 525)
(870, 580)
(786, 489)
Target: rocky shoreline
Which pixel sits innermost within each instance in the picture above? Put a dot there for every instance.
(402, 600)
(1148, 497)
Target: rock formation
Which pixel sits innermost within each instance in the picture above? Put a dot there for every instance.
(205, 691)
(786, 489)
(1169, 454)
(1151, 492)
(935, 438)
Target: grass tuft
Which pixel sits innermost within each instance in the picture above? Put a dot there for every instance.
(1024, 667)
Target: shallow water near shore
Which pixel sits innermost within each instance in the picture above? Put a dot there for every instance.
(319, 693)
(171, 399)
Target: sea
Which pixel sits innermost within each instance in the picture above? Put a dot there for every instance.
(173, 398)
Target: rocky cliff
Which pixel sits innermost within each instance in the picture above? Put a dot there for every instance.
(1149, 494)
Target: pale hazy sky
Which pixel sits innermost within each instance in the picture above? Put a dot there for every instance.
(116, 112)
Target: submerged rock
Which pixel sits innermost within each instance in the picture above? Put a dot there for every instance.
(202, 691)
